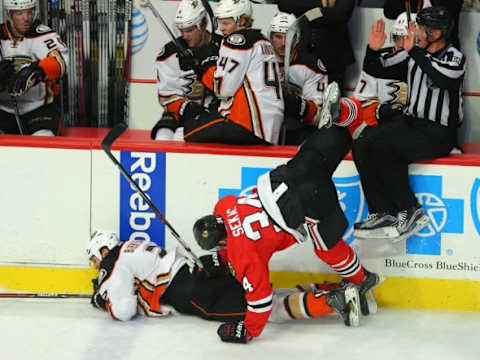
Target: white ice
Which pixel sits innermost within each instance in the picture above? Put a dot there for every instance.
(65, 329)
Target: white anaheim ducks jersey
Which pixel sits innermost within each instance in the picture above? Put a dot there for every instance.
(308, 78)
(247, 80)
(175, 86)
(381, 90)
(136, 273)
(371, 88)
(39, 42)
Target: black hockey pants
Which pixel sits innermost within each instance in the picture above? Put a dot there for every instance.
(219, 298)
(382, 155)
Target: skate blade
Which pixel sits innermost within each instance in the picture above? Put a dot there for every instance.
(390, 232)
(352, 298)
(420, 224)
(371, 300)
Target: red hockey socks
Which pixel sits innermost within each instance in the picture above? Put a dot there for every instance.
(343, 260)
(355, 117)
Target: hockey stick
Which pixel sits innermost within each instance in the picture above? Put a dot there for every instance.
(182, 49)
(107, 142)
(310, 15)
(408, 9)
(209, 11)
(17, 114)
(43, 296)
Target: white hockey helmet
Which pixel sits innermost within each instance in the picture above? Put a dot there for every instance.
(12, 5)
(280, 23)
(189, 13)
(19, 4)
(99, 240)
(400, 25)
(233, 9)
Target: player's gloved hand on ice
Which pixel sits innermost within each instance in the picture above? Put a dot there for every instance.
(213, 265)
(98, 302)
(234, 332)
(26, 78)
(295, 106)
(6, 72)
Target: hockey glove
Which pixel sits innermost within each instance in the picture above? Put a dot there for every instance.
(25, 79)
(202, 58)
(234, 332)
(213, 265)
(387, 112)
(6, 72)
(98, 302)
(295, 106)
(188, 61)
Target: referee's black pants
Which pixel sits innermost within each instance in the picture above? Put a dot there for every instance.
(382, 155)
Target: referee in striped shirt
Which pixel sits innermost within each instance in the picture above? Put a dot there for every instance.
(434, 71)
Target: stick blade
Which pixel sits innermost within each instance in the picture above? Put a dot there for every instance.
(113, 135)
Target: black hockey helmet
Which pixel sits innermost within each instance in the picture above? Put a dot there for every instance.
(436, 17)
(208, 231)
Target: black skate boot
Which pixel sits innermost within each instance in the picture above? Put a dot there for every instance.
(345, 301)
(369, 305)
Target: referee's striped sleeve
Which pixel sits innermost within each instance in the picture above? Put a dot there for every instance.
(446, 72)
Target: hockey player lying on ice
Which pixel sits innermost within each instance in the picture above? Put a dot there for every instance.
(141, 277)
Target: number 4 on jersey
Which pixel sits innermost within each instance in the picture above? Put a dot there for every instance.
(246, 285)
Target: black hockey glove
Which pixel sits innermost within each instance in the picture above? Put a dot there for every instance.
(295, 106)
(190, 110)
(387, 112)
(166, 122)
(201, 59)
(213, 265)
(234, 332)
(6, 72)
(188, 61)
(25, 79)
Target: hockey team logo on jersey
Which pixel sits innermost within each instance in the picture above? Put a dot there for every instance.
(41, 29)
(475, 204)
(236, 39)
(137, 220)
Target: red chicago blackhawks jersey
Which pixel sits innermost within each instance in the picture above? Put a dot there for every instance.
(41, 44)
(252, 239)
(247, 80)
(136, 273)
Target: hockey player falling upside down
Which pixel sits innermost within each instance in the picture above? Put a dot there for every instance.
(141, 276)
(293, 203)
(32, 59)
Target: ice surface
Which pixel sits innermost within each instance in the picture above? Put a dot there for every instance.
(67, 329)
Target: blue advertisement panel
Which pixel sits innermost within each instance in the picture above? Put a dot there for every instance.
(137, 220)
(446, 214)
